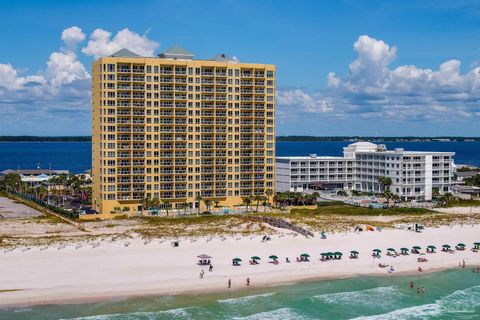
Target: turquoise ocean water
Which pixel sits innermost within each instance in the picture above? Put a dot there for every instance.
(452, 294)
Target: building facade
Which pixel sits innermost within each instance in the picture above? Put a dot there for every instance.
(414, 174)
(174, 128)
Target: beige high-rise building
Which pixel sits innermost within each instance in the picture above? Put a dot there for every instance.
(174, 128)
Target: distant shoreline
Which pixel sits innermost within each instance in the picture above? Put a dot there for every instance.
(279, 139)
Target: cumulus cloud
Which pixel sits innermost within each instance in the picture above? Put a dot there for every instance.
(64, 84)
(60, 92)
(102, 44)
(372, 88)
(72, 37)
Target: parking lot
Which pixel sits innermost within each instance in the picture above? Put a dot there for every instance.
(11, 209)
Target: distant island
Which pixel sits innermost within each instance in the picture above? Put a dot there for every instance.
(374, 139)
(45, 139)
(279, 138)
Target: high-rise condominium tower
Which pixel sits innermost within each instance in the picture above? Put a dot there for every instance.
(175, 128)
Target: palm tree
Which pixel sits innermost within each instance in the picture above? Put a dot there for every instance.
(12, 182)
(269, 193)
(146, 203)
(208, 203)
(155, 203)
(167, 205)
(198, 199)
(184, 206)
(385, 182)
(246, 201)
(258, 198)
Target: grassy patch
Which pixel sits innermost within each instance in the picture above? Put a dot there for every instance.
(464, 203)
(9, 290)
(343, 209)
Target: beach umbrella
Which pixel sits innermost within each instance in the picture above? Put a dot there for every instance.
(391, 249)
(338, 253)
(237, 259)
(274, 257)
(329, 254)
(432, 247)
(446, 246)
(324, 254)
(461, 245)
(354, 252)
(477, 243)
(204, 256)
(305, 255)
(377, 250)
(256, 258)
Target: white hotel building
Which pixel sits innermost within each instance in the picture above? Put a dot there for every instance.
(414, 174)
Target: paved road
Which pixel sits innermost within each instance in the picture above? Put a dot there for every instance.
(10, 209)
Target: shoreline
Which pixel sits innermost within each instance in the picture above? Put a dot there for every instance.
(209, 291)
(114, 271)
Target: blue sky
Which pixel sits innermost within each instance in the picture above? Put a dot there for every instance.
(344, 67)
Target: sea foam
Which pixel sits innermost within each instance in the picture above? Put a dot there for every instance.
(246, 299)
(282, 313)
(380, 297)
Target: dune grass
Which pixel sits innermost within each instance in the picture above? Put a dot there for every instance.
(346, 210)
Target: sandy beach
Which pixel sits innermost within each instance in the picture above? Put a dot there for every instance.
(113, 270)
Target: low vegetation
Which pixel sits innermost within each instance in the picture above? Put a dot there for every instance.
(336, 208)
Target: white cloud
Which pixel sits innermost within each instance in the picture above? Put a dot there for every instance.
(72, 37)
(64, 68)
(101, 44)
(372, 88)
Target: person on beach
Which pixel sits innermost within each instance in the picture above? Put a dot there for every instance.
(411, 284)
(248, 282)
(201, 274)
(420, 269)
(418, 290)
(423, 289)
(229, 283)
(210, 268)
(463, 264)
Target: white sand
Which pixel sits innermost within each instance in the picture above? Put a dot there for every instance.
(113, 270)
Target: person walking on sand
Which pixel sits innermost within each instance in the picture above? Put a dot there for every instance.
(229, 283)
(248, 281)
(201, 274)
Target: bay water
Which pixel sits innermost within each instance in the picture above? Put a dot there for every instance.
(76, 156)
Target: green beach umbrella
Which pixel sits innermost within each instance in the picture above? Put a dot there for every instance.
(377, 250)
(476, 243)
(446, 246)
(329, 253)
(391, 249)
(237, 259)
(354, 252)
(338, 253)
(305, 255)
(274, 257)
(256, 258)
(324, 254)
(461, 245)
(432, 247)
(404, 249)
(417, 247)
